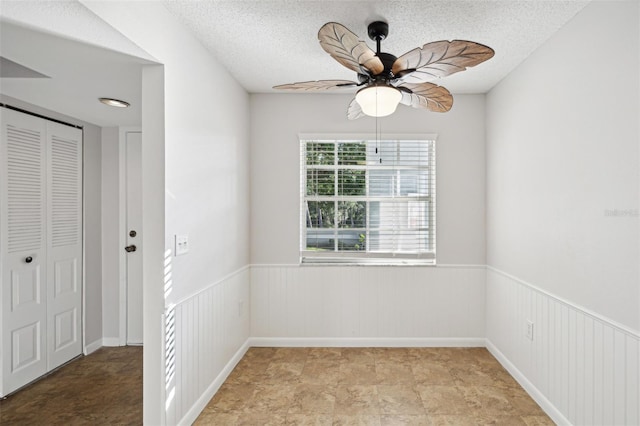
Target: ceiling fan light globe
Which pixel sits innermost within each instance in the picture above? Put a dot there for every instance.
(378, 101)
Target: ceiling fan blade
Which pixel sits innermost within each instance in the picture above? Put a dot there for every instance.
(317, 86)
(346, 48)
(426, 96)
(354, 111)
(439, 59)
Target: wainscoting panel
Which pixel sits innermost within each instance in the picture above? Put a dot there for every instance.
(363, 304)
(206, 336)
(581, 368)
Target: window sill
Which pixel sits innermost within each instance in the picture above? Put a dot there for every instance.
(367, 262)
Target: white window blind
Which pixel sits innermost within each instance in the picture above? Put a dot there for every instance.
(367, 201)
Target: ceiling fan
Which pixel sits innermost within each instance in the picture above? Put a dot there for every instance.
(388, 80)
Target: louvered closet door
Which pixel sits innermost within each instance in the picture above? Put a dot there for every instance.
(22, 249)
(64, 243)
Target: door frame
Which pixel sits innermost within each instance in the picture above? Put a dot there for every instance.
(122, 229)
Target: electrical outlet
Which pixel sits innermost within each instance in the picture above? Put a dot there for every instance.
(182, 245)
(529, 330)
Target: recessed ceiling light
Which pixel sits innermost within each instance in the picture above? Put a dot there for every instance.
(114, 102)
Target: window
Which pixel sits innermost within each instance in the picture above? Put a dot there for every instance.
(367, 201)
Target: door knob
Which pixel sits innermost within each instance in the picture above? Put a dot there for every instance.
(130, 248)
(28, 259)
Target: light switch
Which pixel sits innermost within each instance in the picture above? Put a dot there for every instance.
(182, 244)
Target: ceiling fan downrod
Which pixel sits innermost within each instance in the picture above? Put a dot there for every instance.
(379, 31)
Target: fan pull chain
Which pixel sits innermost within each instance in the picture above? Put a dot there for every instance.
(377, 140)
(377, 130)
(378, 136)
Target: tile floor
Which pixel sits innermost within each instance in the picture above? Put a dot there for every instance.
(104, 388)
(294, 386)
(371, 386)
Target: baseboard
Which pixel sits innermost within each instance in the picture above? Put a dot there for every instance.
(345, 342)
(92, 347)
(533, 391)
(204, 399)
(111, 341)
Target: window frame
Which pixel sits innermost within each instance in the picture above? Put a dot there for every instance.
(364, 257)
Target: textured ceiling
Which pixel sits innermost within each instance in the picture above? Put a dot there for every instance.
(262, 42)
(269, 42)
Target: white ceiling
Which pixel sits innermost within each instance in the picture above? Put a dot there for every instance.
(70, 19)
(264, 43)
(261, 42)
(78, 74)
(59, 39)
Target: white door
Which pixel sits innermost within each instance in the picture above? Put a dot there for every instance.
(22, 250)
(134, 232)
(41, 249)
(64, 243)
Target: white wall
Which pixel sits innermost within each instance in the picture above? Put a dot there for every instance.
(111, 273)
(206, 148)
(292, 304)
(580, 368)
(210, 338)
(92, 168)
(276, 121)
(195, 133)
(367, 306)
(562, 151)
(562, 157)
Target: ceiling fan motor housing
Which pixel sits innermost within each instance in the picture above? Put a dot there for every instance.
(387, 60)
